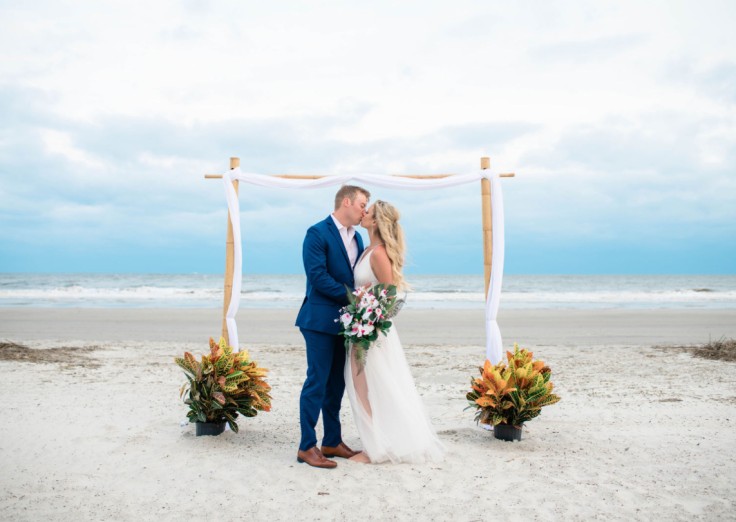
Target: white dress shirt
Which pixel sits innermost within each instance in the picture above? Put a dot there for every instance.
(348, 239)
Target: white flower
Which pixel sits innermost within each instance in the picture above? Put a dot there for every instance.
(346, 318)
(368, 329)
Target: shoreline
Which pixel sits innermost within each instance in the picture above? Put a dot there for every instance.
(570, 327)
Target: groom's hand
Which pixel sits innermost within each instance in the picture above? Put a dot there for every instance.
(362, 290)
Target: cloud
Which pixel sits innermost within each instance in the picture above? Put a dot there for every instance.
(618, 121)
(138, 182)
(622, 179)
(716, 80)
(588, 50)
(58, 143)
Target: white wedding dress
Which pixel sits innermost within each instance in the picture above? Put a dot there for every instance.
(388, 411)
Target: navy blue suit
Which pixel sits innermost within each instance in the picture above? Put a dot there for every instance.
(329, 271)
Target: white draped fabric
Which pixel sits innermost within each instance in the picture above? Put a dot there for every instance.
(494, 346)
(494, 343)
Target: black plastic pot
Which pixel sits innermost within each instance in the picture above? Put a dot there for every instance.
(507, 432)
(210, 428)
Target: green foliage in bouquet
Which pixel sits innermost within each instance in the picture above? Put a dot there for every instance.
(368, 313)
(222, 385)
(511, 393)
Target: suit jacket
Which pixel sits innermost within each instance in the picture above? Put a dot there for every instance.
(328, 270)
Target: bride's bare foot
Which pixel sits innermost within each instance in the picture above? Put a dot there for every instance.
(360, 457)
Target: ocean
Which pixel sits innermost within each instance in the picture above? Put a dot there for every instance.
(428, 291)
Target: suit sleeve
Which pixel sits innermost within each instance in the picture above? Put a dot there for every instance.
(314, 254)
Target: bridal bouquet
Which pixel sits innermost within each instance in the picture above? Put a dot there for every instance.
(370, 311)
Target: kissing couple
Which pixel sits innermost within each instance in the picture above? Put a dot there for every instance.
(387, 409)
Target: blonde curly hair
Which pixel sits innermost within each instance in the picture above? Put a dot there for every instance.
(391, 234)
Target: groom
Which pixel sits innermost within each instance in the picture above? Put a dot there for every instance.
(330, 251)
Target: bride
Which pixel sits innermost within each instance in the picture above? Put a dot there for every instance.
(388, 411)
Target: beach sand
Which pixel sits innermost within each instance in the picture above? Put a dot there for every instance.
(92, 422)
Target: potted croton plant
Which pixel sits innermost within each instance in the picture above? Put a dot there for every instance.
(511, 393)
(221, 386)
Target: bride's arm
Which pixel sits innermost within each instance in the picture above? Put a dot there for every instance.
(381, 266)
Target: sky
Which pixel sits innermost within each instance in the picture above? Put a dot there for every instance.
(618, 118)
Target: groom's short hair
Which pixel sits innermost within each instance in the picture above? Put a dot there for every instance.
(350, 192)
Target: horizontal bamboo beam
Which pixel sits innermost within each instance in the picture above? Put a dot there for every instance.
(423, 176)
(315, 176)
(297, 176)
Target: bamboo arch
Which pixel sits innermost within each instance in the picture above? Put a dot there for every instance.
(487, 220)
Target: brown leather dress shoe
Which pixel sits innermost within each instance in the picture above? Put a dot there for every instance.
(341, 450)
(314, 458)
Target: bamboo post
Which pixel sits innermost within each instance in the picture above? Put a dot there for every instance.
(229, 260)
(485, 192)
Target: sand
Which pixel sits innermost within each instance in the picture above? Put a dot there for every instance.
(92, 423)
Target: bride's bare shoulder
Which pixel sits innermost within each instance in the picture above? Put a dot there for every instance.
(381, 265)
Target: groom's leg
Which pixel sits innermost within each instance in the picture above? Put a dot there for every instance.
(333, 395)
(319, 363)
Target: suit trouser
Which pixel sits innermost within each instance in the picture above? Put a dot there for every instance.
(323, 388)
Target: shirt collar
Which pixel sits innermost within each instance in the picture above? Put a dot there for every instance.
(350, 230)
